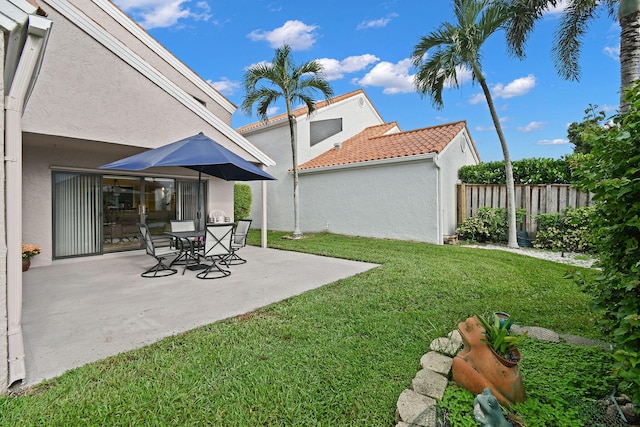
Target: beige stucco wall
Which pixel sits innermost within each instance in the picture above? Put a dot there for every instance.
(85, 91)
(89, 107)
(150, 55)
(46, 154)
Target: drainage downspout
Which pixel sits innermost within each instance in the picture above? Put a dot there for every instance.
(263, 232)
(15, 101)
(440, 226)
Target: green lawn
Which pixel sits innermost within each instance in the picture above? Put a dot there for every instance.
(336, 356)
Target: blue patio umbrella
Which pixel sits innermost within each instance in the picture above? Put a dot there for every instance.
(199, 153)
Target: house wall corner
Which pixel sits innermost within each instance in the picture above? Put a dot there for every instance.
(4, 350)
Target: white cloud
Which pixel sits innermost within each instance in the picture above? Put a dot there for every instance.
(267, 63)
(297, 34)
(558, 9)
(376, 23)
(272, 111)
(518, 87)
(225, 86)
(463, 75)
(531, 127)
(164, 13)
(491, 128)
(335, 69)
(476, 99)
(557, 141)
(394, 78)
(612, 52)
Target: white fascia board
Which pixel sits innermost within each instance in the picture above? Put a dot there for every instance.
(371, 163)
(117, 14)
(136, 62)
(39, 26)
(17, 11)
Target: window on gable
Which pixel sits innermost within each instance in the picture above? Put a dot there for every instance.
(323, 129)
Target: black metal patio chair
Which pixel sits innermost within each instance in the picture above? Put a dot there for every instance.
(158, 253)
(217, 247)
(238, 242)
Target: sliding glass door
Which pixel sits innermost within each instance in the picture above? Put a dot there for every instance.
(77, 219)
(95, 213)
(121, 196)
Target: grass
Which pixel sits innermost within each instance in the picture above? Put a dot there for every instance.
(335, 356)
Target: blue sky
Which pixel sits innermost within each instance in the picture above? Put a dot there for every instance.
(367, 44)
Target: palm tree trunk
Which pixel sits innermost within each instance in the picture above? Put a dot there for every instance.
(511, 193)
(294, 157)
(629, 51)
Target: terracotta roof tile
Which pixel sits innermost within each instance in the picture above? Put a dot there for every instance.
(299, 111)
(374, 144)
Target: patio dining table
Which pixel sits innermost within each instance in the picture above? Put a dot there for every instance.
(188, 254)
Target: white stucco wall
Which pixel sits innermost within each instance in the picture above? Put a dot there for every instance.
(366, 201)
(393, 200)
(357, 114)
(460, 152)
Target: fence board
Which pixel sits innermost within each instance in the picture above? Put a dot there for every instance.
(535, 199)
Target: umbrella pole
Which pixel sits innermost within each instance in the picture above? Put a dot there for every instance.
(198, 201)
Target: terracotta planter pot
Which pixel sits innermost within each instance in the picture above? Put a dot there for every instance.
(26, 263)
(476, 367)
(506, 362)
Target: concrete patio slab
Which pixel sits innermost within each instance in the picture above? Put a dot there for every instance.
(82, 310)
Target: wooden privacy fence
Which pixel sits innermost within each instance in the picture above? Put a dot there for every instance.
(536, 199)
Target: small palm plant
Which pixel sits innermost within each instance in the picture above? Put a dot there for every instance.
(499, 338)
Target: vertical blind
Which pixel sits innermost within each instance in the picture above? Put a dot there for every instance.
(77, 207)
(187, 200)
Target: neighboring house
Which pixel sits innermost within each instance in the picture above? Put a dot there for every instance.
(367, 178)
(84, 86)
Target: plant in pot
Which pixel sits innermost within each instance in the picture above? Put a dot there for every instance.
(500, 340)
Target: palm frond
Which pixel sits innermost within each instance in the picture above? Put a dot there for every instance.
(568, 38)
(523, 15)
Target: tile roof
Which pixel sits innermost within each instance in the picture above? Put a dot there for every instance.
(374, 143)
(300, 111)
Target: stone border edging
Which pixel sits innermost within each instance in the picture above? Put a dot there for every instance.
(416, 406)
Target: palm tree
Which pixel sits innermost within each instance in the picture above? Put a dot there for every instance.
(267, 83)
(439, 55)
(575, 22)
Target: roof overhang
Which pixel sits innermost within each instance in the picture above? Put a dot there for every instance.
(429, 157)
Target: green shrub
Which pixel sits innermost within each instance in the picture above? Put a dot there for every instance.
(568, 231)
(241, 201)
(525, 171)
(611, 172)
(487, 225)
